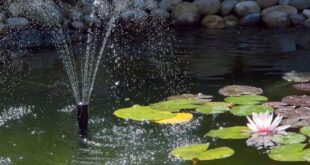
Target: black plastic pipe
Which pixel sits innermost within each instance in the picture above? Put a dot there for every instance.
(83, 119)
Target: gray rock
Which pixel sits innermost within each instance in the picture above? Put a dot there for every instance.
(307, 23)
(231, 20)
(213, 22)
(266, 3)
(208, 7)
(17, 22)
(145, 4)
(251, 19)
(276, 19)
(169, 4)
(185, 14)
(3, 28)
(300, 4)
(228, 6)
(297, 19)
(75, 15)
(246, 7)
(135, 15)
(306, 13)
(281, 8)
(89, 20)
(2, 17)
(87, 9)
(78, 25)
(160, 14)
(284, 2)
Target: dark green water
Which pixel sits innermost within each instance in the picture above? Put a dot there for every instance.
(135, 74)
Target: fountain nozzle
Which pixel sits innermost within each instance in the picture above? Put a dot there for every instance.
(83, 118)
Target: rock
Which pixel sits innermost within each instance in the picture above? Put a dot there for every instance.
(213, 22)
(160, 14)
(44, 12)
(17, 22)
(246, 7)
(251, 19)
(2, 17)
(87, 9)
(307, 23)
(146, 4)
(281, 8)
(135, 15)
(266, 3)
(185, 14)
(284, 2)
(3, 28)
(228, 6)
(89, 20)
(75, 15)
(231, 20)
(300, 4)
(297, 19)
(208, 7)
(78, 25)
(306, 13)
(86, 2)
(276, 19)
(169, 4)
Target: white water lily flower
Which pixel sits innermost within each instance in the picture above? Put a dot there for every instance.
(264, 124)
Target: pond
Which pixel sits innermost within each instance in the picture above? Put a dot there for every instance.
(143, 71)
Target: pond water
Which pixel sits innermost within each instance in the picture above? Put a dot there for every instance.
(45, 131)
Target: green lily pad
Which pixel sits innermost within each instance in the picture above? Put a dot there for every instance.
(288, 153)
(236, 132)
(142, 113)
(305, 130)
(212, 109)
(176, 105)
(246, 99)
(201, 152)
(290, 138)
(246, 110)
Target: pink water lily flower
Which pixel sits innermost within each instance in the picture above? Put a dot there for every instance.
(264, 124)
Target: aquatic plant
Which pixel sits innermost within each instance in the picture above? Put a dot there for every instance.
(246, 110)
(303, 101)
(199, 97)
(302, 87)
(246, 99)
(238, 90)
(299, 77)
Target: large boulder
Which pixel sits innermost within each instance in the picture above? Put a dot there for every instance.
(208, 7)
(231, 20)
(246, 7)
(281, 8)
(43, 12)
(251, 19)
(300, 4)
(306, 13)
(160, 14)
(146, 4)
(297, 19)
(284, 2)
(169, 4)
(266, 3)
(307, 23)
(276, 19)
(228, 6)
(2, 17)
(185, 14)
(17, 22)
(213, 22)
(135, 15)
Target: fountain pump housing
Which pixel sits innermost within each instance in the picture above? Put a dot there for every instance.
(83, 118)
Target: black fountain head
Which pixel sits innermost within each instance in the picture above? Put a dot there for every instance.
(83, 118)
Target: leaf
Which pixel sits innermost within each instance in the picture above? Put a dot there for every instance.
(212, 109)
(142, 113)
(179, 118)
(305, 130)
(303, 101)
(176, 105)
(214, 103)
(246, 99)
(199, 97)
(238, 90)
(290, 138)
(288, 153)
(201, 152)
(247, 110)
(236, 132)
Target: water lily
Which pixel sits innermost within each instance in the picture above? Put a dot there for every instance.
(263, 124)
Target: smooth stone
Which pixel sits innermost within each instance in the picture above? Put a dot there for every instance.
(87, 2)
(17, 22)
(3, 28)
(300, 4)
(281, 8)
(276, 19)
(135, 15)
(208, 7)
(213, 22)
(2, 17)
(75, 15)
(78, 25)
(284, 2)
(231, 20)
(251, 19)
(246, 7)
(169, 4)
(185, 14)
(306, 13)
(307, 23)
(228, 6)
(146, 4)
(160, 14)
(297, 19)
(266, 3)
(89, 20)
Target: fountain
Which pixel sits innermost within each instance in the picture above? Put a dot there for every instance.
(82, 72)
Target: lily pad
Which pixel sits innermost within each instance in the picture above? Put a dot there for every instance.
(247, 110)
(302, 87)
(238, 90)
(305, 130)
(299, 77)
(179, 118)
(212, 109)
(215, 103)
(142, 113)
(201, 152)
(297, 122)
(297, 100)
(246, 99)
(275, 104)
(288, 153)
(199, 97)
(259, 141)
(176, 105)
(289, 138)
(236, 132)
(293, 112)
